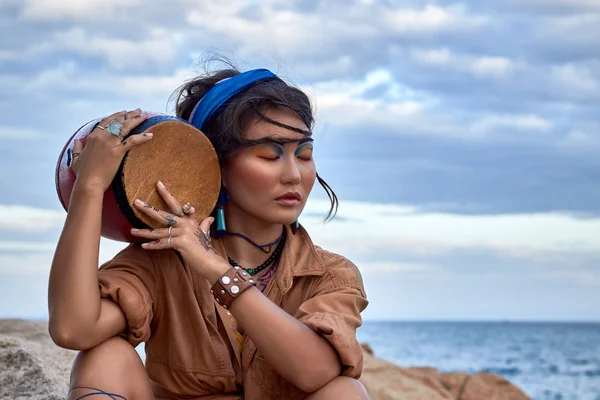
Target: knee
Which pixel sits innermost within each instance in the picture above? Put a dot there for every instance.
(114, 367)
(114, 359)
(341, 387)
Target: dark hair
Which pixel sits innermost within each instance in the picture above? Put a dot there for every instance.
(226, 130)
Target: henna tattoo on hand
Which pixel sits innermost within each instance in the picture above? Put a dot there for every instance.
(147, 205)
(205, 240)
(157, 241)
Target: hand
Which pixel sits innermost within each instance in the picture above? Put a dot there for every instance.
(184, 234)
(97, 163)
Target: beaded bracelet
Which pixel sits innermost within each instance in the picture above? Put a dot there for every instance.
(230, 285)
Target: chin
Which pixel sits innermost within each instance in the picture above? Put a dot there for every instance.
(281, 219)
(276, 214)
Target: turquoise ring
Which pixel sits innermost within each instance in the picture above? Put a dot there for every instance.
(115, 127)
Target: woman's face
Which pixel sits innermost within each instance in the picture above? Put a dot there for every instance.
(271, 181)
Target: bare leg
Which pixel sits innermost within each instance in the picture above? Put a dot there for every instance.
(341, 387)
(113, 367)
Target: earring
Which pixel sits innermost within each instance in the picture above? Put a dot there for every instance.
(221, 227)
(295, 226)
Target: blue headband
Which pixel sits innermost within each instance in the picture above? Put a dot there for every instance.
(223, 91)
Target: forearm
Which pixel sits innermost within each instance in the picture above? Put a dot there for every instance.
(294, 350)
(73, 293)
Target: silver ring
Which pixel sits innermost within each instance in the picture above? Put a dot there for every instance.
(171, 219)
(101, 127)
(169, 241)
(181, 214)
(188, 209)
(170, 230)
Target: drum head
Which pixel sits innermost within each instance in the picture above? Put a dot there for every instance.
(178, 155)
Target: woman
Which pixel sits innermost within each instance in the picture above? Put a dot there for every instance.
(256, 311)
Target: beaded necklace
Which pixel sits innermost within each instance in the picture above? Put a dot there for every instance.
(270, 260)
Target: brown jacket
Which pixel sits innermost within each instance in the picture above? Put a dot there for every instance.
(191, 346)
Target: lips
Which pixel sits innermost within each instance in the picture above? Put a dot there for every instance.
(290, 196)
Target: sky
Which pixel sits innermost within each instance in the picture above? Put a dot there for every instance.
(462, 138)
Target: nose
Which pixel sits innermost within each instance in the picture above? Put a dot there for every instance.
(290, 175)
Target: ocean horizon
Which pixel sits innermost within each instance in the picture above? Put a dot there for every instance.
(547, 360)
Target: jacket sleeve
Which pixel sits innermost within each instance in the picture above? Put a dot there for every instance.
(333, 311)
(129, 279)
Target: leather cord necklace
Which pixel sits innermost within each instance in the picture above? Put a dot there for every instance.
(270, 260)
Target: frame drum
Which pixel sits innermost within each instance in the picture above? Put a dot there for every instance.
(179, 155)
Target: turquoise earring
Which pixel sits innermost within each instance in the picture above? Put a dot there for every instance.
(221, 227)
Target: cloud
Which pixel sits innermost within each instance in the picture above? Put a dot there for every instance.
(530, 122)
(481, 67)
(19, 133)
(380, 226)
(385, 268)
(30, 247)
(432, 18)
(34, 259)
(29, 219)
(102, 84)
(90, 10)
(158, 47)
(555, 6)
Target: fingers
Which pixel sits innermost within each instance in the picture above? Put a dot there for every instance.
(156, 214)
(188, 209)
(161, 233)
(132, 114)
(74, 154)
(117, 115)
(171, 201)
(133, 119)
(162, 238)
(135, 140)
(206, 224)
(120, 124)
(77, 146)
(159, 244)
(171, 237)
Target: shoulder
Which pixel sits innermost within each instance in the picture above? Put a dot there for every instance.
(135, 257)
(339, 270)
(130, 255)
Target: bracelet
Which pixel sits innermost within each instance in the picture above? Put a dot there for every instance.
(230, 285)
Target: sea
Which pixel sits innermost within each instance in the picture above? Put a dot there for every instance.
(548, 361)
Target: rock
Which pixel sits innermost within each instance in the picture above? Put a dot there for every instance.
(387, 381)
(489, 386)
(32, 367)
